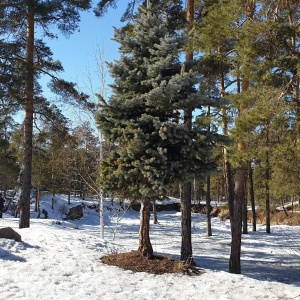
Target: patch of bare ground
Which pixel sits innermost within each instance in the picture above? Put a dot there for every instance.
(157, 264)
(277, 217)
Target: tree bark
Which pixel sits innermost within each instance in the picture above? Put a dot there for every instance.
(208, 209)
(155, 220)
(52, 200)
(239, 191)
(226, 165)
(39, 201)
(145, 247)
(28, 123)
(268, 213)
(245, 208)
(229, 182)
(186, 188)
(251, 192)
(236, 222)
(186, 224)
(267, 178)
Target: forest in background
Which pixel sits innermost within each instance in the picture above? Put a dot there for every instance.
(244, 56)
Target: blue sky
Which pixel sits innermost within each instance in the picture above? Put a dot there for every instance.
(80, 52)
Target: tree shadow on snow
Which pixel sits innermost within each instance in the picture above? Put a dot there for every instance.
(264, 267)
(4, 255)
(9, 256)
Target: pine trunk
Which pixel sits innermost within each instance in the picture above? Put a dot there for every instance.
(186, 188)
(39, 201)
(208, 199)
(267, 178)
(28, 123)
(186, 224)
(236, 222)
(245, 209)
(227, 173)
(240, 180)
(155, 220)
(208, 209)
(228, 181)
(52, 200)
(145, 247)
(236, 208)
(251, 192)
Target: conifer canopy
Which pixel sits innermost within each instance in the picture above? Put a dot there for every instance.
(143, 117)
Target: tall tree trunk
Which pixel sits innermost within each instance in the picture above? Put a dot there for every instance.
(236, 205)
(236, 208)
(229, 193)
(229, 183)
(236, 222)
(28, 123)
(239, 191)
(186, 224)
(39, 200)
(267, 178)
(208, 209)
(227, 173)
(268, 212)
(186, 188)
(208, 198)
(52, 200)
(245, 209)
(145, 247)
(155, 220)
(252, 199)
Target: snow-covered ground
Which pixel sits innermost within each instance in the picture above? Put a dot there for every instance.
(61, 259)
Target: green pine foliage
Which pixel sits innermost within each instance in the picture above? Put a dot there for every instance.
(255, 65)
(144, 116)
(49, 18)
(268, 49)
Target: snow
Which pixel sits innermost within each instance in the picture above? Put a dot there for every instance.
(59, 259)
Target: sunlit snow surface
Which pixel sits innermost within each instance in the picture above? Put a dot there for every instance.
(60, 259)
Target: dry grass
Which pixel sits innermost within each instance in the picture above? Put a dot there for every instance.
(158, 264)
(278, 218)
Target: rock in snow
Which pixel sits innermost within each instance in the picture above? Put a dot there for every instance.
(9, 233)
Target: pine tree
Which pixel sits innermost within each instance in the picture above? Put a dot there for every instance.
(186, 188)
(219, 35)
(144, 118)
(215, 37)
(266, 63)
(18, 23)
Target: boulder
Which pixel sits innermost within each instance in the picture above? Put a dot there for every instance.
(75, 213)
(9, 233)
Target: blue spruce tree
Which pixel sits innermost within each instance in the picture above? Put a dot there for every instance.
(144, 118)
